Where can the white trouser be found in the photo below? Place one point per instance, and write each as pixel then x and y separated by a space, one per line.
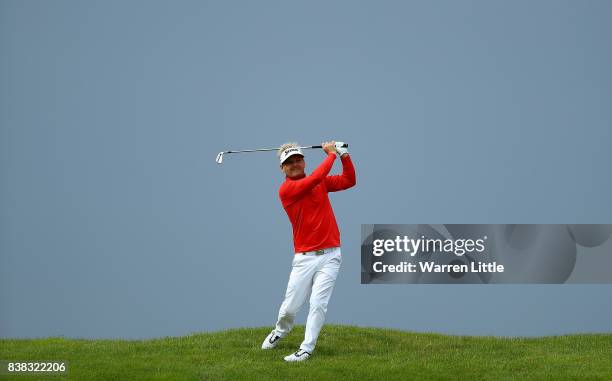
pixel 314 274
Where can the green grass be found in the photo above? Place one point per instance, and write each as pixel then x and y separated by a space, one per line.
pixel 342 353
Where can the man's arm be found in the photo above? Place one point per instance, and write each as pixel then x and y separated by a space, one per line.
pixel 344 181
pixel 291 191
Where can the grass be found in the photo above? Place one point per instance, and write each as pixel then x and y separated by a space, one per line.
pixel 342 353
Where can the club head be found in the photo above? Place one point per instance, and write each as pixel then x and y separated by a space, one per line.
pixel 219 159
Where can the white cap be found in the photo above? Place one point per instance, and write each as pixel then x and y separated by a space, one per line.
pixel 288 152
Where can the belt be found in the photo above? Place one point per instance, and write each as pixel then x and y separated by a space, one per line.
pixel 319 252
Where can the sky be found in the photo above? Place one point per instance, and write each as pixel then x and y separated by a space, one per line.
pixel 116 222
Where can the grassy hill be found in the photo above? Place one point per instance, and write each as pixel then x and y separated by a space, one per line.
pixel 343 353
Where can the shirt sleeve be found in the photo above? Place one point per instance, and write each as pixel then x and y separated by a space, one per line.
pixel 292 191
pixel 345 180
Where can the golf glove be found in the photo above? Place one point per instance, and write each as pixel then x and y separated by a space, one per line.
pixel 341 150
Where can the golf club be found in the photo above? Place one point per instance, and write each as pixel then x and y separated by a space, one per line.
pixel 219 159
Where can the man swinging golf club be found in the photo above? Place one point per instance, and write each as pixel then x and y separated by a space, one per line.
pixel 316 240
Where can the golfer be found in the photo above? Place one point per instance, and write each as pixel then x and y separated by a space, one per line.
pixel 316 240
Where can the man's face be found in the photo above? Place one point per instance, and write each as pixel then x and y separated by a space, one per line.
pixel 294 166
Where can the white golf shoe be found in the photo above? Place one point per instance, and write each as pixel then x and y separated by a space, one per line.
pixel 271 341
pixel 300 355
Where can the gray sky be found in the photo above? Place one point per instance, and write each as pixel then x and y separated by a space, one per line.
pixel 115 220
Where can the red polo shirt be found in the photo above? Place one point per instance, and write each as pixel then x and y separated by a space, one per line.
pixel 307 205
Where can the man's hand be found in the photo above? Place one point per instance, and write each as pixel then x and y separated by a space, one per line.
pixel 341 150
pixel 329 147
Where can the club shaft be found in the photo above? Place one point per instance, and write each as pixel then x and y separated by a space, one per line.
pixel 273 149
